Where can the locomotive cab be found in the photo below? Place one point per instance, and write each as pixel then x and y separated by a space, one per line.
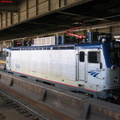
pixel 99 69
pixel 91 68
pixel 111 53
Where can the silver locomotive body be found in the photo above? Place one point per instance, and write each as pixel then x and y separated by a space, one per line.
pixel 88 68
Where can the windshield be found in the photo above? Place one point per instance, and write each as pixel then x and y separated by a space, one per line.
pixel 115 56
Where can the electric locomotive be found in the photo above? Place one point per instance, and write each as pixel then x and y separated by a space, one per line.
pixel 90 68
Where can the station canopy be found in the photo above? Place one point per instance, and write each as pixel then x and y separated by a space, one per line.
pixel 89 12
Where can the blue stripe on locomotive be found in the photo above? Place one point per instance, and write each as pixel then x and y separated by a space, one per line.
pixel 106 49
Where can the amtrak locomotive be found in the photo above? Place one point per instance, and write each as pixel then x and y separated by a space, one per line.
pixel 89 68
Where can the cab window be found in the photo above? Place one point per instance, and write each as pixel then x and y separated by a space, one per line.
pixel 93 57
pixel 82 56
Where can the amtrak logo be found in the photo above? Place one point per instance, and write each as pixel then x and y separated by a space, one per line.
pixel 93 73
pixel 17 66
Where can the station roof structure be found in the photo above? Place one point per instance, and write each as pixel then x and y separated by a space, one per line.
pixel 89 12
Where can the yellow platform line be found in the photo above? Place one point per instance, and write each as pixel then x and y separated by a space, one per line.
pixel 2 61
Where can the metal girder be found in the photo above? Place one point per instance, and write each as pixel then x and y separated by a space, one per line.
pixel 88 12
pixel 9 8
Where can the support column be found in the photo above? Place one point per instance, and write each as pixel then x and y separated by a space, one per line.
pixel 36 7
pixel 6 19
pixel 27 9
pixel 11 18
pixel 49 8
pixel 1 20
pixel 65 2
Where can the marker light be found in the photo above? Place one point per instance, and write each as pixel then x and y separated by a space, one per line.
pixel 113 67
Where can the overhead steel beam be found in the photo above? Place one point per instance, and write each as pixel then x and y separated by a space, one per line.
pixel 68 13
pixel 9 9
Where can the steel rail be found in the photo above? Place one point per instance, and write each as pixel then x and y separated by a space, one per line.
pixel 26 107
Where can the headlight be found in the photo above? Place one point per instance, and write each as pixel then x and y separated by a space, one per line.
pixel 116 79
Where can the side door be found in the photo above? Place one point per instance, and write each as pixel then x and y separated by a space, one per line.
pixel 81 66
pixel 94 65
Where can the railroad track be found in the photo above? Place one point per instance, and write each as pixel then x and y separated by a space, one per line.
pixel 53 103
pixel 23 110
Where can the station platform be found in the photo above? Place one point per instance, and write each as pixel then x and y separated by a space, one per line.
pixel 3 61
